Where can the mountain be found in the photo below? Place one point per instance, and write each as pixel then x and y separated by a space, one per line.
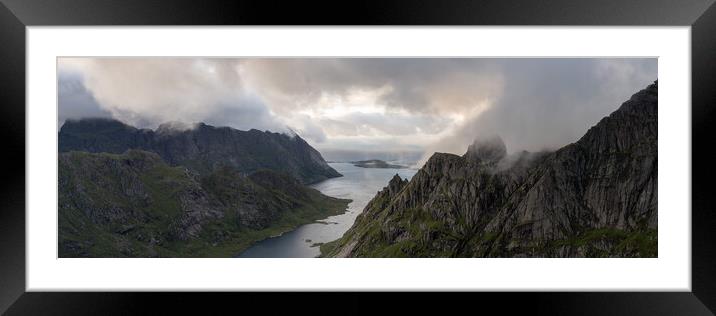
pixel 202 148
pixel 136 205
pixel 596 197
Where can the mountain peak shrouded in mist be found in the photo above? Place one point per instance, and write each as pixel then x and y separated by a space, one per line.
pixel 596 197
pixel 200 147
pixel 490 149
pixel 97 124
pixel 175 127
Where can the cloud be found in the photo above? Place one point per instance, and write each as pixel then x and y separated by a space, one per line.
pixel 548 103
pixel 425 85
pixel 74 99
pixel 383 104
pixel 244 112
pixel 391 123
pixel 159 89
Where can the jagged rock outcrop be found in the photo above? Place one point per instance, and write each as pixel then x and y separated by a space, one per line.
pixel 202 148
pixel 593 198
pixel 136 205
pixel 489 150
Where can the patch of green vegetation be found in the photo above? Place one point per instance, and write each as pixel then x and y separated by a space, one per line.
pixel 412 233
pixel 643 243
pixel 400 249
pixel 608 242
pixel 329 247
pixel 164 183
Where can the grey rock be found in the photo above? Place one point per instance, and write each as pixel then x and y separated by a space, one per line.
pixel 595 197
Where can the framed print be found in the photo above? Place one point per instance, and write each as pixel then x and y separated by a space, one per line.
pixel 466 148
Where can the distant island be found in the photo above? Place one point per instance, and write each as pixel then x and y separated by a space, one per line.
pixel 375 163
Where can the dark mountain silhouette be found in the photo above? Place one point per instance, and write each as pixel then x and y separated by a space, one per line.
pixel 201 148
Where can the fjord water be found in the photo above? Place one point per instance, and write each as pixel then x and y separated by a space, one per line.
pixel 357 184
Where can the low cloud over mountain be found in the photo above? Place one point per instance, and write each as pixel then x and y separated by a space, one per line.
pixel 379 104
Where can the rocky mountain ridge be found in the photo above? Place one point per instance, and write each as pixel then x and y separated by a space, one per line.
pixel 201 148
pixel 596 197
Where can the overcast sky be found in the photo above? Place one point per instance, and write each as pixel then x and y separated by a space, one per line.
pixel 361 104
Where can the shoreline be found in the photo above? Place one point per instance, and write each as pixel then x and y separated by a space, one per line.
pixel 296 227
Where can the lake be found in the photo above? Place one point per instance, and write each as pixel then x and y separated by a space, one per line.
pixel 357 184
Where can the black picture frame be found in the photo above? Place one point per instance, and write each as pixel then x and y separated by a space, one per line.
pixel 15 15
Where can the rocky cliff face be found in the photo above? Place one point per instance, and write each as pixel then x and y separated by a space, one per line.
pixel 136 205
pixel 593 198
pixel 202 148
